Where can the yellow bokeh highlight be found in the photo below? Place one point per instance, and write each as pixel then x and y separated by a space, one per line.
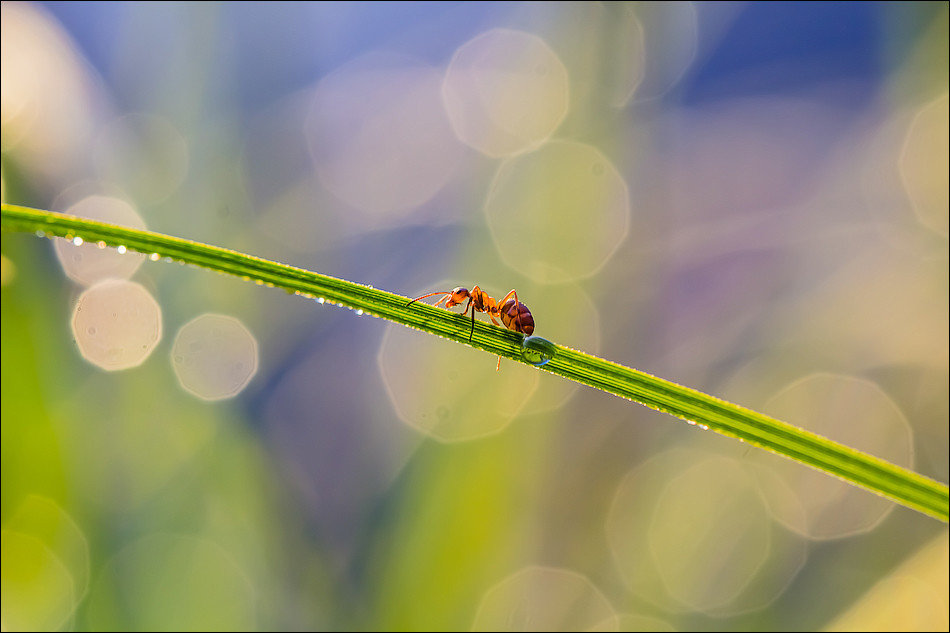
pixel 558 213
pixel 690 533
pixel 925 164
pixel 451 392
pixel 545 599
pixel 808 501
pixel 505 91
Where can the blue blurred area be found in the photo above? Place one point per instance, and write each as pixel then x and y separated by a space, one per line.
pixel 770 47
pixel 787 47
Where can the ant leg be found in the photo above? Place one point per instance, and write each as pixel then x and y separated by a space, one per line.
pixel 472 333
pixel 498 366
pixel 465 311
pixel 513 294
pixel 432 294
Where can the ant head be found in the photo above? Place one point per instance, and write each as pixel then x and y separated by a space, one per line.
pixel 459 295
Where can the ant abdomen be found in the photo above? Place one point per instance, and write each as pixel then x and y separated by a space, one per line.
pixel 517 317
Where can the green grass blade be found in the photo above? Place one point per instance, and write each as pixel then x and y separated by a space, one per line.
pixel 899 484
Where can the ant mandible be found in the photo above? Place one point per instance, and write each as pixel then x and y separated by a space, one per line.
pixel 513 314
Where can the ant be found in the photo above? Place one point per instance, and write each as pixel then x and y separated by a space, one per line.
pixel 513 314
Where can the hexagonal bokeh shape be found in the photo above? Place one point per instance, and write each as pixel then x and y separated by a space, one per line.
pixel 925 164
pixel 116 324
pixel 214 356
pixel 89 263
pixel 811 502
pixel 545 599
pixel 448 391
pixel 558 213
pixel 505 91
pixel 689 531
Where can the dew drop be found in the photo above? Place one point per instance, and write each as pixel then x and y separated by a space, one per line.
pixel 121 249
pixel 77 241
pixel 101 244
pixel 321 300
pixel 359 313
pixel 538 351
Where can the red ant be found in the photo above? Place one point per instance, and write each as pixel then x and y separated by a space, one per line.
pixel 513 314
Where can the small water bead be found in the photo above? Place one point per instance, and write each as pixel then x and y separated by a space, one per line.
pixel 154 257
pixel 77 241
pixel 538 351
pixel 121 249
pixel 101 244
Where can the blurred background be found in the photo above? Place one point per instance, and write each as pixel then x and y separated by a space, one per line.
pixel 748 199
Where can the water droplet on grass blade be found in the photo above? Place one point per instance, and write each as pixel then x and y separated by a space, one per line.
pixel 538 351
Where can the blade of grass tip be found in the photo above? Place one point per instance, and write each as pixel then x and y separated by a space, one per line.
pixel 883 478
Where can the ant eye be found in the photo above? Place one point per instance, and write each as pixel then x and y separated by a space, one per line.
pixel 460 291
